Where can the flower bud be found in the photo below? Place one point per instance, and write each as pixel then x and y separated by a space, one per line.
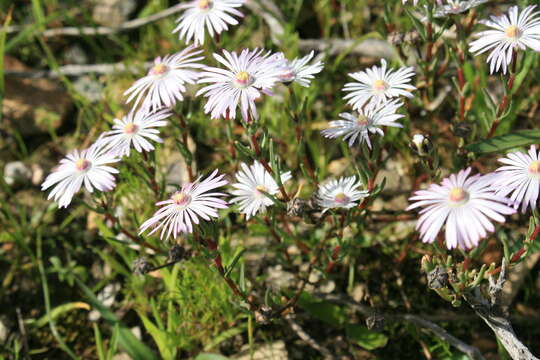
pixel 421 145
pixel 140 266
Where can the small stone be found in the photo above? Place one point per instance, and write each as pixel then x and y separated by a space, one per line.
pixel 16 173
pixel 89 88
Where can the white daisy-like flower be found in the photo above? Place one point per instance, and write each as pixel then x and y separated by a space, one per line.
pixel 467 205
pixel 214 15
pixel 367 120
pixel 253 182
pixel 341 193
pixel 87 167
pixel 246 76
pixel 520 177
pixel 186 206
pixel 452 7
pixel 165 83
pixel 135 130
pixel 512 32
pixel 300 71
pixel 378 84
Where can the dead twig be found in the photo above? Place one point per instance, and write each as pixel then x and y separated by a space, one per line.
pixel 103 30
pixel 490 309
pixel 308 339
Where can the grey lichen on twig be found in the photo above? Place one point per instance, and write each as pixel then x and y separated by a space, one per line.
pixel 490 309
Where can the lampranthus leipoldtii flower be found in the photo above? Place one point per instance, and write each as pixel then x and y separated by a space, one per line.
pixel 246 76
pixel 357 127
pixel 341 193
pixel 185 207
pixel 377 85
pixel 520 177
pixel 166 81
pixel 509 33
pixel 466 204
pixel 88 167
pixel 254 182
pixel 213 16
pixel 136 130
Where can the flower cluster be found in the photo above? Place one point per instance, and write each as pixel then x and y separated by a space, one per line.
pixel 466 205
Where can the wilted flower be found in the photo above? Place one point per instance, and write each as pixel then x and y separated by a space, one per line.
pixel 465 203
pixel 341 193
pixel 186 206
pixel 253 182
pixel 246 76
pixel 135 129
pixel 378 84
pixel 214 15
pixel 300 71
pixel 165 82
pixel 510 33
pixel 367 120
pixel 520 177
pixel 86 167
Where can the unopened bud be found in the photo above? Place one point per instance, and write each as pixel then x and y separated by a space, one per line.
pixel 421 145
pixel 141 266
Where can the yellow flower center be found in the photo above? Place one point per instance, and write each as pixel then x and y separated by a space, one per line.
pixel 458 195
pixel 534 167
pixel 204 4
pixel 341 198
pixel 242 79
pixel 180 198
pixel 362 120
pixel 379 86
pixel 512 31
pixel 82 164
pixel 159 69
pixel 261 188
pixel 130 128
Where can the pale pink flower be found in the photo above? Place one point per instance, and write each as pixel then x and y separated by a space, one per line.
pixel 509 32
pixel 520 177
pixel 183 209
pixel 166 80
pixel 87 167
pixel 136 129
pixel 342 193
pixel 378 84
pixel 213 15
pixel 246 76
pixel 465 203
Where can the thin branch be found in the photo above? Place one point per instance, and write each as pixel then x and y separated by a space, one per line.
pixel 417 320
pixel 78 70
pixel 103 30
pixel 491 311
pixel 308 339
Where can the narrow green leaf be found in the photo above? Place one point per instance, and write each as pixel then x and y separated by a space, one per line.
pixel 506 142
pixel 133 346
pixel 365 338
pixel 211 357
